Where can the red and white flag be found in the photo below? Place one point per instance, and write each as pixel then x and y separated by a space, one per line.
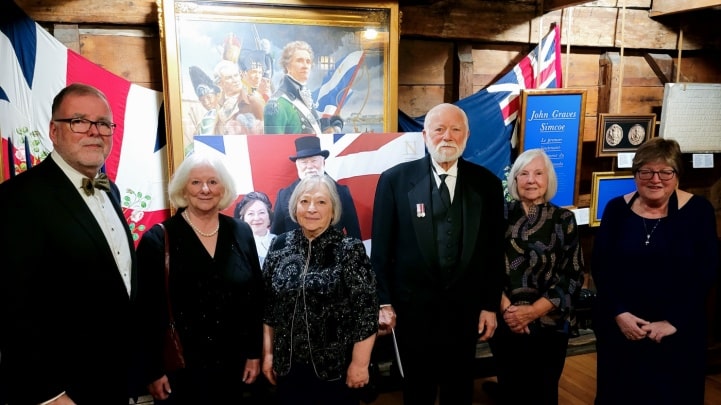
pixel 35 67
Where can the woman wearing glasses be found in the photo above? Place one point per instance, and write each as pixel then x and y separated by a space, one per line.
pixel 654 258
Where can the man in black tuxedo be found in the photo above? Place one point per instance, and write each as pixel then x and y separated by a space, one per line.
pixel 438 237
pixel 67 278
pixel 309 159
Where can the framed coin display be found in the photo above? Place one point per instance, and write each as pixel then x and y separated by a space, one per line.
pixel 623 133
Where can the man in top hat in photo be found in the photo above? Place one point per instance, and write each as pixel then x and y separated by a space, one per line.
pixel 310 160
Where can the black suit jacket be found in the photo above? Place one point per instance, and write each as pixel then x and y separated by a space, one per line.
pixel 64 311
pixel 348 220
pixel 404 252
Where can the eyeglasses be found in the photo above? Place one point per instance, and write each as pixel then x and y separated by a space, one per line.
pixel 646 174
pixel 82 126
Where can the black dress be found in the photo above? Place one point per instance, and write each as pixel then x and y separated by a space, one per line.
pixel 217 304
pixel 666 279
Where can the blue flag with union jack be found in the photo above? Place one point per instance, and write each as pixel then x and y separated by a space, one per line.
pixel 492 112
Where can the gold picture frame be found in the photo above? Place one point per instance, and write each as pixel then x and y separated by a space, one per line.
pixel 605 186
pixel 623 133
pixel 201 33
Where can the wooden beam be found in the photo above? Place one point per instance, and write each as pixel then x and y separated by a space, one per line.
pixel 469 20
pixel 664 7
pixel 662 65
pixel 68 35
pixel 551 5
pixel 138 12
pixel 465 71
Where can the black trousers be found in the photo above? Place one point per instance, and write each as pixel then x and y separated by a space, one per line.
pixel 301 386
pixel 529 367
pixel 440 368
pixel 207 386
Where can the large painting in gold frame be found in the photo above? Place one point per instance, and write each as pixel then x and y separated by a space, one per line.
pixel 195 33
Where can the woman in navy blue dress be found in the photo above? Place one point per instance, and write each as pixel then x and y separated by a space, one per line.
pixel 654 260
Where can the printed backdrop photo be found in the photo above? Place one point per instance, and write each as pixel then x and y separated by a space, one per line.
pixel 261 163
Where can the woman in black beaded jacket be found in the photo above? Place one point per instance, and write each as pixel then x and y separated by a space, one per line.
pixel 321 311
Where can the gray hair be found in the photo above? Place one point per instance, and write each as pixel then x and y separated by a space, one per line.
pixel 224 66
pixel 441 108
pixel 522 161
pixel 176 186
pixel 77 89
pixel 310 183
pixel 289 50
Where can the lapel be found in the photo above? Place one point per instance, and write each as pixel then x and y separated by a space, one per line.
pixel 419 193
pixel 423 226
pixel 114 195
pixel 472 207
pixel 70 202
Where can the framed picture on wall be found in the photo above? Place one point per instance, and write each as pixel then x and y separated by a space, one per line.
pixel 605 186
pixel 623 133
pixel 214 48
pixel 553 119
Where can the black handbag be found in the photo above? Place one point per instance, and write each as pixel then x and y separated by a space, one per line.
pixel 173 358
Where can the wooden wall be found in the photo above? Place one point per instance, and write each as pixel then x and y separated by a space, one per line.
pixel 604 44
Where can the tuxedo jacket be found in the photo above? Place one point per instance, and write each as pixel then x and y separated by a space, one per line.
pixel 348 224
pixel 404 250
pixel 65 314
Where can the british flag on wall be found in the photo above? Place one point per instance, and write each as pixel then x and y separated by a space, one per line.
pixel 260 163
pixel 492 111
pixel 35 66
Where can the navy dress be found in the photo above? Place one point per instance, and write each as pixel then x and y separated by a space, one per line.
pixel 666 279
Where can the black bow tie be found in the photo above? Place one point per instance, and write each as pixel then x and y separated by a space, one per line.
pixel 101 182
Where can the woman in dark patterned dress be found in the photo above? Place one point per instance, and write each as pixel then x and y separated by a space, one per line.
pixel 321 313
pixel 655 258
pixel 544 275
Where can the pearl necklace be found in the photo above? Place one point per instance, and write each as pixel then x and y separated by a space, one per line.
pixel 648 234
pixel 198 231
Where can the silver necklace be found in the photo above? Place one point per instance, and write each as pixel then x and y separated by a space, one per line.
pixel 198 231
pixel 645 228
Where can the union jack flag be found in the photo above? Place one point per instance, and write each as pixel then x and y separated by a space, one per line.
pixel 492 111
pixel 260 163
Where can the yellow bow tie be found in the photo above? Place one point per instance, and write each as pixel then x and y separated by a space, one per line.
pixel 100 182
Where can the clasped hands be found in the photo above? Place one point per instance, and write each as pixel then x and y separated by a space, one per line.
pixel 635 328
pixel 518 317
